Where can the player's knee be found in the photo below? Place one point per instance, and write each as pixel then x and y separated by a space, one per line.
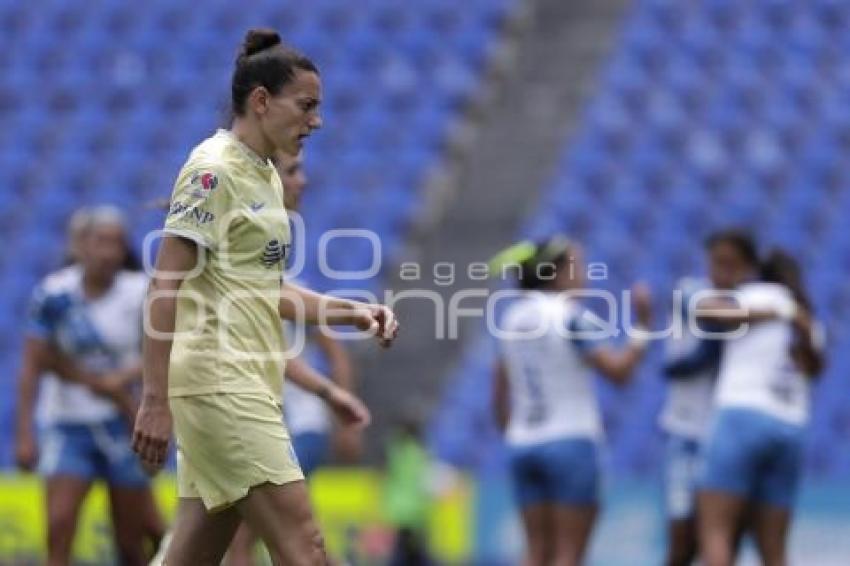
pixel 60 525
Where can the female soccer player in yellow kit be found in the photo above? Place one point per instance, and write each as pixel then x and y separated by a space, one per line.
pixel 213 343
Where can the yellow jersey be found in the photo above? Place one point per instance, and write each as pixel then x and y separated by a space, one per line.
pixel 228 336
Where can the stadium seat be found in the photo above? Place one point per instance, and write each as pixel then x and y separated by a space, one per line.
pixel 709 115
pixel 132 87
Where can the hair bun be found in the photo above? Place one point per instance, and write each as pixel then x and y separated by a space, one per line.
pixel 257 40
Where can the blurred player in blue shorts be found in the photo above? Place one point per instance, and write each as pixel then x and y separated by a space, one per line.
pixel 84 334
pixel 544 398
pixel 691 364
pixel 754 452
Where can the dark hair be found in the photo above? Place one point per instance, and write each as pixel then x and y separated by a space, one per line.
pixel 780 267
pixel 741 240
pixel 538 271
pixel 265 61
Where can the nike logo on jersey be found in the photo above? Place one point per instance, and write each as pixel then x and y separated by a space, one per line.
pixel 257 206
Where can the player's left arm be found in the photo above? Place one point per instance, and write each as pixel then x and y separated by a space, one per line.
pixel 303 305
pixel 345 405
pixel 807 349
pixel 729 314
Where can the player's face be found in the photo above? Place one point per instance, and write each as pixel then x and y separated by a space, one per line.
pixel 293 113
pixel 291 171
pixel 727 268
pixel 104 250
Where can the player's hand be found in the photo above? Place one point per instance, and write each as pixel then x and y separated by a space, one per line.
pixel 26 452
pixel 802 319
pixel 347 407
pixel 152 433
pixel 111 385
pixel 642 304
pixel 378 320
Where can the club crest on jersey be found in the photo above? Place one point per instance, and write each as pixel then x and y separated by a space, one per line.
pixel 205 182
pixel 273 254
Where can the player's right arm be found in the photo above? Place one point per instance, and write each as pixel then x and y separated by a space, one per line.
pixel 340 371
pixel 177 257
pixel 618 365
pixel 350 409
pixel 26 452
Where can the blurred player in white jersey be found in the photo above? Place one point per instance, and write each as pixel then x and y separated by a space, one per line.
pixel 545 401
pixel 754 452
pixel 84 337
pixel 691 364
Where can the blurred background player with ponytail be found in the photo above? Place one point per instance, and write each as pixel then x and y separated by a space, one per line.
pixel 754 451
pixel 83 348
pixel 545 402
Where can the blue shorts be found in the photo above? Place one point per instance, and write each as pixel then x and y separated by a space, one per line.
pixel 561 471
pixel 90 452
pixel 754 456
pixel 311 449
pixel 682 470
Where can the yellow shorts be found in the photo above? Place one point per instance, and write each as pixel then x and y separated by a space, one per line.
pixel 228 443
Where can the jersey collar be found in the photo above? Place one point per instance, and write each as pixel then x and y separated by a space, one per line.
pixel 252 155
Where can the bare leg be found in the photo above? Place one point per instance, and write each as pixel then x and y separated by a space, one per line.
pixel 536 521
pixel 128 506
pixel 200 538
pixel 682 542
pixel 241 551
pixel 153 526
pixel 65 496
pixel 771 525
pixel 573 526
pixel 719 519
pixel 281 515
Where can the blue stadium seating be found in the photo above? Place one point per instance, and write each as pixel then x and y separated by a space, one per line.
pixel 101 100
pixel 709 114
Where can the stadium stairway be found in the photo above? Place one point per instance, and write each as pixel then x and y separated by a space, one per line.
pixel 488 190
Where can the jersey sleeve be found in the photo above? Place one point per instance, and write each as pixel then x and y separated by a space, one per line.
pixel 200 201
pixel 587 331
pixel 44 312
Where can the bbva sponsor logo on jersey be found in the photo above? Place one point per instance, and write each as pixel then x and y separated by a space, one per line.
pixel 274 253
pixel 190 212
pixel 205 181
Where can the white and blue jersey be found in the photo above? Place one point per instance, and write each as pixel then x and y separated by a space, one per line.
pixel 84 434
pixel 757 371
pixel 762 404
pixel 690 365
pixel 555 425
